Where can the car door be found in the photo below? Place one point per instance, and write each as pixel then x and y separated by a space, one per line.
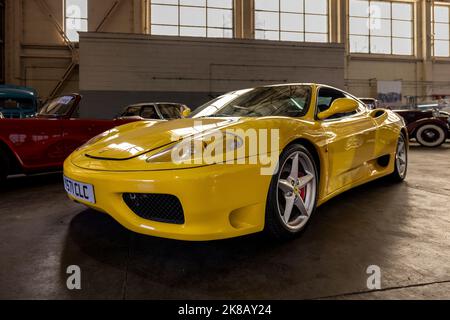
pixel 350 141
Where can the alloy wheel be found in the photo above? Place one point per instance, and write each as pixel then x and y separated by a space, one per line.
pixel 296 194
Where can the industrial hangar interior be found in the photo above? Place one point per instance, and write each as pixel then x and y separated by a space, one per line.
pixel 224 149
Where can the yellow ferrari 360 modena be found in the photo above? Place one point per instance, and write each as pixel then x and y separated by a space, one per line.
pixel 251 160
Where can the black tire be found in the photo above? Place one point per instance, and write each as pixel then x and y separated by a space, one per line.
pixel 400 173
pixel 275 227
pixel 431 135
pixel 4 166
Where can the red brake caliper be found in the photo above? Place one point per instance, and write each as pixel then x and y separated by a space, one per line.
pixel 303 192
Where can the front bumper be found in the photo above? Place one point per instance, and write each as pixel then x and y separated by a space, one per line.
pixel 219 201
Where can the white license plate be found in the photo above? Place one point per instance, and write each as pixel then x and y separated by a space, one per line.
pixel 79 190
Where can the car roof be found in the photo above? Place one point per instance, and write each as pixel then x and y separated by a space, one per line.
pixel 17 92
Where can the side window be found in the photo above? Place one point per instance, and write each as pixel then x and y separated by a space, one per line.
pixel 325 99
pixel 131 112
pixel 149 113
pixel 76 112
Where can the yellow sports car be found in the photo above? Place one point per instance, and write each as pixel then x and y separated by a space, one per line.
pixel 250 160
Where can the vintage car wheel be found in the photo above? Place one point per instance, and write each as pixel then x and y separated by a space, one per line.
pixel 401 160
pixel 293 193
pixel 430 135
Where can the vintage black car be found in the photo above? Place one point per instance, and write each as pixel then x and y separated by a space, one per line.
pixel 431 128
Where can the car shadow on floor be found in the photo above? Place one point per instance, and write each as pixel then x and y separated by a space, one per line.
pixel 330 257
pixel 19 182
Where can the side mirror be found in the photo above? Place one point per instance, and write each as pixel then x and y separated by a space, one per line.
pixel 186 113
pixel 341 105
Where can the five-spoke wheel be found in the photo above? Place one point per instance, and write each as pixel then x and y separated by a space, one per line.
pixel 293 193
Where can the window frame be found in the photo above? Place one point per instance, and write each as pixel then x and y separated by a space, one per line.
pixel 179 26
pixel 391 55
pixel 433 39
pixel 303 33
pixel 2 41
pixel 65 18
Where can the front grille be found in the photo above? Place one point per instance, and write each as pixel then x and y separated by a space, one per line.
pixel 156 207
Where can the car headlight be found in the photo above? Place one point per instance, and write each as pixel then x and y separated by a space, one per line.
pixel 208 149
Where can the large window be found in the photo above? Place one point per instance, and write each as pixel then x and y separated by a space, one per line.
pixel 2 41
pixel 76 18
pixel 381 27
pixel 197 18
pixel 441 30
pixel 292 20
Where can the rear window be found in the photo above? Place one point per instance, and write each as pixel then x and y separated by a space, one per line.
pixel 8 103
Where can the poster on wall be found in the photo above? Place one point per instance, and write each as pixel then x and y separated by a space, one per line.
pixel 389 92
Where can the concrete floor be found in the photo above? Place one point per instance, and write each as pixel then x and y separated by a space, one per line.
pixel 404 229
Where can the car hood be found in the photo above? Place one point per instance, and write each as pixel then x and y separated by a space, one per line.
pixel 132 140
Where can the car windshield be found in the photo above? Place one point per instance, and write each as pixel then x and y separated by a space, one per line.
pixel 169 111
pixel 58 107
pixel 288 101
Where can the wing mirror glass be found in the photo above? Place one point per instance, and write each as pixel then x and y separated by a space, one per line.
pixel 341 105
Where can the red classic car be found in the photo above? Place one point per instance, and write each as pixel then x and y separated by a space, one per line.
pixel 430 127
pixel 42 143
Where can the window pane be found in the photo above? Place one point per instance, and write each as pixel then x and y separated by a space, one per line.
pixel 441 31
pixel 164 14
pixel 316 37
pixel 192 32
pixel 270 5
pixel 441 14
pixel 380 27
pixel 402 29
pixel 267 20
pixel 315 23
pixel 359 8
pixel 267 35
pixel 316 6
pixel 441 48
pixel 359 44
pixel 380 45
pixel 291 22
pixel 379 9
pixel 402 46
pixel 73 26
pixel 220 18
pixel 165 1
pixel 197 3
pixel 165 30
pixel 295 6
pixel 401 11
pixel 292 36
pixel 220 33
pixel 76 9
pixel 359 26
pixel 192 16
pixel 228 4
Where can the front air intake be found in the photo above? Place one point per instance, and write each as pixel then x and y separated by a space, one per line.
pixel 156 207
